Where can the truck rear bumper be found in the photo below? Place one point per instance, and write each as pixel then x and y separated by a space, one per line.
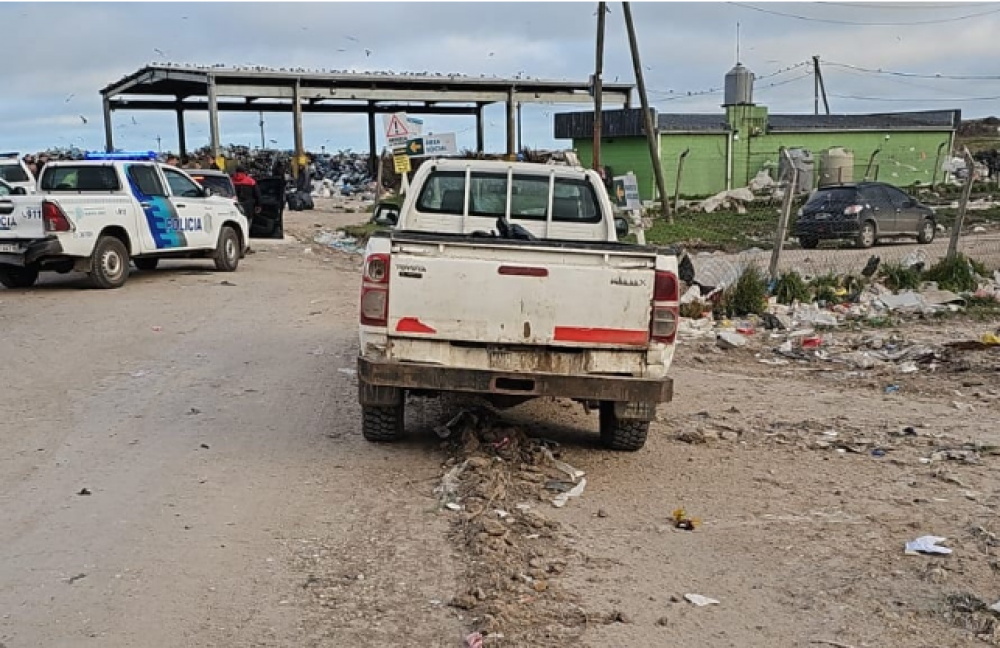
pixel 380 380
pixel 31 251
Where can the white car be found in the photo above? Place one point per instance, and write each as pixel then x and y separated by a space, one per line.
pixel 16 173
pixel 96 215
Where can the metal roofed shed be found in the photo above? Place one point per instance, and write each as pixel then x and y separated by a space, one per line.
pixel 217 89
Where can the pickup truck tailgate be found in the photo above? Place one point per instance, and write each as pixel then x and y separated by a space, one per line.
pixel 517 293
pixel 20 219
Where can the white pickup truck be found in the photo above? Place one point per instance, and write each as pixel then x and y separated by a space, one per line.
pixel 96 215
pixel 548 305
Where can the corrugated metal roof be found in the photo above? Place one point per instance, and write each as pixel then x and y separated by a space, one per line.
pixel 614 123
pixel 926 120
pixel 628 123
pixel 692 122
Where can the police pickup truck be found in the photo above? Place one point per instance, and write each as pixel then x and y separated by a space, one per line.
pixel 97 214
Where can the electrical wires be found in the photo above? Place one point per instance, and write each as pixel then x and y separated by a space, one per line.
pixel 832 21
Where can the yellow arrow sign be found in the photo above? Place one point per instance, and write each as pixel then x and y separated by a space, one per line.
pixel 415 147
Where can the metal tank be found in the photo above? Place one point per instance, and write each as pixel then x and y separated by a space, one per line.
pixel 836 166
pixel 739 87
pixel 802 159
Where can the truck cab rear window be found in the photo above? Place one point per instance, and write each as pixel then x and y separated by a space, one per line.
pixel 80 178
pixel 13 173
pixel 573 201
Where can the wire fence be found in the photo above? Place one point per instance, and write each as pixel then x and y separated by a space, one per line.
pixel 843 223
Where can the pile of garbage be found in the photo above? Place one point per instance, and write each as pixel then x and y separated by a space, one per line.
pixel 339 240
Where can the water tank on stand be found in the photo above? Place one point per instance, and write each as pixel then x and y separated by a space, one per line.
pixel 836 166
pixel 739 87
pixel 802 159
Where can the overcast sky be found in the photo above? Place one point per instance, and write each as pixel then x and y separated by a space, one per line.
pixel 58 56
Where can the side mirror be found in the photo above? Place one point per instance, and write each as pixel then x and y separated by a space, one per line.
pixel 207 192
pixel 386 214
pixel 621 227
pixel 19 191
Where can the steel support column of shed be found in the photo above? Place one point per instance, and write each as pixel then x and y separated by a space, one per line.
pixel 181 135
pixel 303 91
pixel 372 144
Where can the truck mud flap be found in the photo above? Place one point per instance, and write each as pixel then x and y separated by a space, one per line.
pixel 477 381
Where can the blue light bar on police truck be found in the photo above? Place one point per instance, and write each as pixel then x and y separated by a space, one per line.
pixel 134 156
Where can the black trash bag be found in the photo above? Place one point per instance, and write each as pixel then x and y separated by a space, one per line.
pixel 307 201
pixel 294 201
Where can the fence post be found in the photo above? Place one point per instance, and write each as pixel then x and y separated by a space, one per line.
pixel 786 213
pixel 680 175
pixel 956 232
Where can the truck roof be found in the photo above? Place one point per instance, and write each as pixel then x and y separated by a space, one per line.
pixel 525 168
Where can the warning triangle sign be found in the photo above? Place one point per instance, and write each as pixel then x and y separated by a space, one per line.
pixel 396 128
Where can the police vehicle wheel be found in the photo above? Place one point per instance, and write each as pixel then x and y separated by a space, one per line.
pixel 227 253
pixel 146 264
pixel 109 264
pixel 18 277
pixel 620 434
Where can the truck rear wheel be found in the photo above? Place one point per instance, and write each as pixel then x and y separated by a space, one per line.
pixel 109 267
pixel 15 277
pixel 380 423
pixel 621 434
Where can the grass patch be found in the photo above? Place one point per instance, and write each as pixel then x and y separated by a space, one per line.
pixel 361 232
pixel 956 275
pixel 896 276
pixel 791 287
pixel 747 297
pixel 728 231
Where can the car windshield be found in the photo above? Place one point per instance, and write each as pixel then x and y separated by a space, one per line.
pixel 220 185
pixel 837 196
pixel 13 173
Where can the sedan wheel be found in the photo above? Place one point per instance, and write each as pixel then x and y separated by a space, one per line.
pixel 866 238
pixel 927 232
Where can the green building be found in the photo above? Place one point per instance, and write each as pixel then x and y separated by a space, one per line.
pixel 727 150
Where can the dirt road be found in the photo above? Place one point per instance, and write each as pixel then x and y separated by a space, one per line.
pixel 181 465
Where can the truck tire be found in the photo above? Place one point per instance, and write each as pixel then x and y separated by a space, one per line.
pixel 109 266
pixel 381 423
pixel 146 265
pixel 227 252
pixel 15 277
pixel 620 434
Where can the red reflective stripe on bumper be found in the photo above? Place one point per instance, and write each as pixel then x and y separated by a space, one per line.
pixel 413 325
pixel 601 335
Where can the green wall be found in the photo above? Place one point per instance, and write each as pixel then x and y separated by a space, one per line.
pixel 906 158
pixel 622 154
pixel 704 167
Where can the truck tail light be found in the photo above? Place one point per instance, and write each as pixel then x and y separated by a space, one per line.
pixel 663 326
pixel 54 217
pixel 375 291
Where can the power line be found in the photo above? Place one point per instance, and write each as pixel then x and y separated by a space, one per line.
pixel 914 75
pixel 672 96
pixel 907 6
pixel 832 21
pixel 891 79
pixel 911 100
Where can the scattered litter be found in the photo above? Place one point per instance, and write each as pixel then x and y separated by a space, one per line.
pixel 226 283
pixel 448 487
pixel 84 491
pixel 194 411
pixel 318 351
pixel 73 579
pixel 926 545
pixel 727 340
pixel 699 600
pixel 990 339
pixel 682 521
pixel 452 506
pixel 473 640
pixel 892 389
pixel 348 372
pixel 995 607
pixel 878 453
pixel 572 472
pixel 139 374
pixel 561 499
pixel 205 446
pixel 157 329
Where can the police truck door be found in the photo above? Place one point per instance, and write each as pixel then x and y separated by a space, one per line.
pixel 194 213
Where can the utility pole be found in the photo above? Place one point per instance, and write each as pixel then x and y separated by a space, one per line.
pixel 598 85
pixel 647 117
pixel 819 88
pixel 262 141
pixel 159 145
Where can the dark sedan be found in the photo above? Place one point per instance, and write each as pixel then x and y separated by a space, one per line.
pixel 863 213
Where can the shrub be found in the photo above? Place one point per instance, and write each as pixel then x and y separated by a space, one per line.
pixel 791 287
pixel 956 275
pixel 747 297
pixel 896 276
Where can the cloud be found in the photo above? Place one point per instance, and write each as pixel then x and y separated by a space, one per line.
pixel 685 46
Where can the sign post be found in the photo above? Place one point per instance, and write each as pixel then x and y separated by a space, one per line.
pixel 625 195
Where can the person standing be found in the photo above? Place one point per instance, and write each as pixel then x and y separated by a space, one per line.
pixel 247 192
